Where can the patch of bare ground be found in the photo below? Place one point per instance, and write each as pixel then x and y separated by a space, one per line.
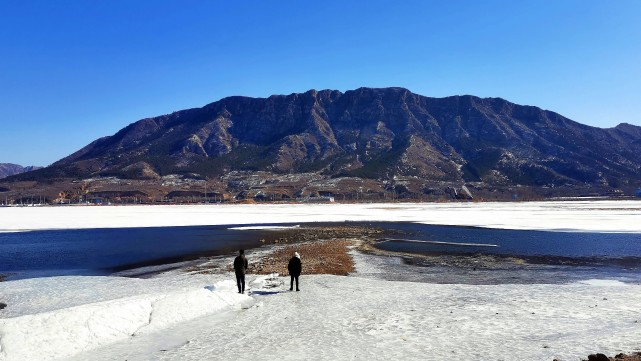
pixel 316 233
pixel 620 357
pixel 320 257
pixel 323 249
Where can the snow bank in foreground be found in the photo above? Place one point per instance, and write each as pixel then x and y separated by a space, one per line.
pixel 63 332
pixel 332 318
pixel 597 216
pixel 352 318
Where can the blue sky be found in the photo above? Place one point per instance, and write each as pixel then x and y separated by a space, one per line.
pixel 74 71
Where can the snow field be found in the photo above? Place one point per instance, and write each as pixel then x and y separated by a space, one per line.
pixel 595 216
pixel 351 318
pixel 97 318
pixel 332 318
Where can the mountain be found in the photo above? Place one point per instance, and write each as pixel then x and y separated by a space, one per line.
pixel 9 169
pixel 381 134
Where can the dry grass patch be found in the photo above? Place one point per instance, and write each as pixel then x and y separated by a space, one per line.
pixel 320 257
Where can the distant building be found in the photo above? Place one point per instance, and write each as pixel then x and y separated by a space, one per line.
pixel 323 199
pixel 278 195
pixel 116 196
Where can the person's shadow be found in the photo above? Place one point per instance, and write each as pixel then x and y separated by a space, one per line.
pixel 264 293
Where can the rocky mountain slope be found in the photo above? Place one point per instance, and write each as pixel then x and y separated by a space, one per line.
pixel 9 169
pixel 378 134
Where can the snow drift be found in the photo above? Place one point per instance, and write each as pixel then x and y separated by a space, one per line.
pixel 67 331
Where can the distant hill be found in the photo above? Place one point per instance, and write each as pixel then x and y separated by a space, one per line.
pixel 9 169
pixel 378 134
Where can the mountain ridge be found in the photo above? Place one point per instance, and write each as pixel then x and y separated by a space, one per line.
pixel 370 133
pixel 9 169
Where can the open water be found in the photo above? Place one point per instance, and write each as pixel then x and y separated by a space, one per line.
pixel 534 246
pixel 452 254
pixel 104 251
pixel 452 249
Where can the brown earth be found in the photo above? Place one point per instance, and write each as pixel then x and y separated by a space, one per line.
pixel 323 250
pixel 321 257
pixel 321 233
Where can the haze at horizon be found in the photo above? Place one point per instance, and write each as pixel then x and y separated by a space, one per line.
pixel 75 71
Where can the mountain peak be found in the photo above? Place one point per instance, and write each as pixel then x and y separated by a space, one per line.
pixel 9 169
pixel 370 133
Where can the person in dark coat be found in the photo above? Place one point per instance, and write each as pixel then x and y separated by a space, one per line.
pixel 240 266
pixel 295 267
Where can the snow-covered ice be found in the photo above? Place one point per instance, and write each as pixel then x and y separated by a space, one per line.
pixel 57 317
pixel 332 318
pixel 350 318
pixel 359 317
pixel 597 216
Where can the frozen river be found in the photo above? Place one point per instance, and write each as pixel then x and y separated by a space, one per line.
pixel 369 315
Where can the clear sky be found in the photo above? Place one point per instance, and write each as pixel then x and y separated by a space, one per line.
pixel 74 71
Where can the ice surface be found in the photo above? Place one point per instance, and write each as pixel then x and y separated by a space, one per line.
pixel 610 283
pixel 346 318
pixel 360 317
pixel 57 317
pixel 332 318
pixel 596 216
pixel 351 318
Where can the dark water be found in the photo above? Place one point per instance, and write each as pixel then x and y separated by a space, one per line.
pixel 104 251
pixel 491 256
pixel 537 246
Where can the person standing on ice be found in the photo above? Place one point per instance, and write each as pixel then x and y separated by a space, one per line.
pixel 240 266
pixel 295 267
